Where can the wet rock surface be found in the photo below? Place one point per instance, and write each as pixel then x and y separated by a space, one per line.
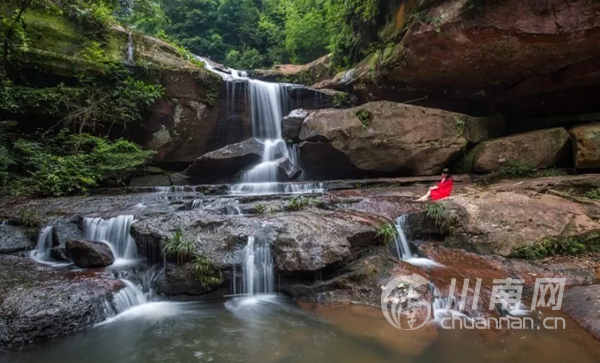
pixel 38 302
pixel 86 253
pixel 12 239
pixel 582 303
pixel 306 240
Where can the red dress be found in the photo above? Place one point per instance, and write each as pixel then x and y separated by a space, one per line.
pixel 444 189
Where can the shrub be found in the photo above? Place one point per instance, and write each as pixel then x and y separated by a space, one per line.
pixel 179 247
pixel 517 169
pixel 68 164
pixel 387 233
pixel 444 219
pixel 559 246
pixel 297 203
pixel 205 271
pixel 593 194
pixel 365 118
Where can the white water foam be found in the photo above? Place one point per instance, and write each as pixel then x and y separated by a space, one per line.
pixel 115 232
pixel 403 246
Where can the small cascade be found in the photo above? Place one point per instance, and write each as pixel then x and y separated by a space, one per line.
pixel 257 268
pixel 44 244
pixel 4 222
pixel 445 306
pixel 114 231
pixel 233 210
pixel 402 246
pixel 130 48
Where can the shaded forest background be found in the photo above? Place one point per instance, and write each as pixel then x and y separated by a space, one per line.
pixel 247 34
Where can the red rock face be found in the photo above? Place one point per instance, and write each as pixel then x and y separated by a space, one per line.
pixel 518 56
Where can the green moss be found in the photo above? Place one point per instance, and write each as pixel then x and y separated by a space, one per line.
pixel 297 203
pixel 559 246
pixel 593 194
pixel 365 117
pixel 343 100
pixel 47 31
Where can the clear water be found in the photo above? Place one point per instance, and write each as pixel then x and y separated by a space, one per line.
pixel 272 328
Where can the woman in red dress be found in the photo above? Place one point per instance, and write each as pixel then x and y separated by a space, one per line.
pixel 442 190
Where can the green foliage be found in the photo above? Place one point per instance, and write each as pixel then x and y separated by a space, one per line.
pixel 365 118
pixel 460 127
pixel 593 194
pixel 445 220
pixel 387 233
pixel 93 102
pixel 178 246
pixel 28 219
pixel 66 164
pixel 343 100
pixel 559 246
pixel 205 271
pixel 517 169
pixel 94 52
pixel 259 209
pixel 297 203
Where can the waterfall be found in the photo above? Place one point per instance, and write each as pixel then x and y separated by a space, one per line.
pixel 269 102
pixel 257 268
pixel 402 246
pixel 130 48
pixel 44 244
pixel 114 231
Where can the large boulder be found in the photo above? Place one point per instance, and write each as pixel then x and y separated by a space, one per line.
pixel 226 162
pixel 12 239
pixel 287 170
pixel 85 253
pixel 38 302
pixel 387 137
pixel 586 146
pixel 501 222
pixel 541 149
pixel 302 241
pixel 290 124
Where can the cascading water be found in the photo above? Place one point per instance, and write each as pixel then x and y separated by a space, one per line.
pixel 269 102
pixel 114 231
pixel 403 247
pixel 41 253
pixel 257 268
pixel 130 48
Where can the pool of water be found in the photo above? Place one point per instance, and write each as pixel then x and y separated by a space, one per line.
pixel 273 328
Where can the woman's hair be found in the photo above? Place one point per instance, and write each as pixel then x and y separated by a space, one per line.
pixel 447 172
